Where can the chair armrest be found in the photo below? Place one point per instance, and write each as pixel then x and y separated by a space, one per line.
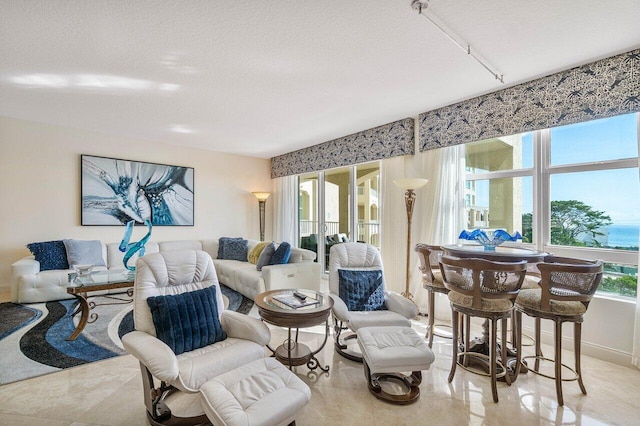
pixel 25 266
pixel 153 353
pixel 397 303
pixel 340 309
pixel 245 327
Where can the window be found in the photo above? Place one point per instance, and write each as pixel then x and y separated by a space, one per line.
pixel 499 186
pixel 571 190
pixel 339 205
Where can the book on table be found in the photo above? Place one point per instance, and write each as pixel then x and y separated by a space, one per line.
pixel 294 302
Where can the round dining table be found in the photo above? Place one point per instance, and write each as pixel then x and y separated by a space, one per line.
pixel 508 253
pixel 498 254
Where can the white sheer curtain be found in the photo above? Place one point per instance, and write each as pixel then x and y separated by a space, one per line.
pixel 285 208
pixel 438 214
pixel 442 209
pixel 393 216
pixel 635 356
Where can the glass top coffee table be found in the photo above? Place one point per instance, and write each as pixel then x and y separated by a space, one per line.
pixel 280 308
pixel 81 286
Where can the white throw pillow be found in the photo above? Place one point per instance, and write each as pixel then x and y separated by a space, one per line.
pixel 84 252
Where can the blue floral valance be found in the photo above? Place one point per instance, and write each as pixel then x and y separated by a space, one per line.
pixel 385 141
pixel 600 89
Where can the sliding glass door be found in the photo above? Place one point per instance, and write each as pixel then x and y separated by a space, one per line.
pixel 337 206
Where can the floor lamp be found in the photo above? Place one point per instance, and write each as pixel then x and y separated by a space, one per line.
pixel 262 200
pixel 409 185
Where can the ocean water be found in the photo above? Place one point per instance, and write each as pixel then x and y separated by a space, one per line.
pixel 622 235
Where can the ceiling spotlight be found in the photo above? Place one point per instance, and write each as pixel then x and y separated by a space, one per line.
pixel 422 6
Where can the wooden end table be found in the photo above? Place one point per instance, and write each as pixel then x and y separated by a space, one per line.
pixel 273 311
pixel 81 286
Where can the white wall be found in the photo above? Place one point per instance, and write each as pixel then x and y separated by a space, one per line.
pixel 40 188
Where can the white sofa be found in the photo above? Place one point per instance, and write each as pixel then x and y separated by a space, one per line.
pixel 30 285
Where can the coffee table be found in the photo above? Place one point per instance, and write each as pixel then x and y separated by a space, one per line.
pixel 81 286
pixel 275 312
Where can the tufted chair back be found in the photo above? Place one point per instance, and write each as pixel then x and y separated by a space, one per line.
pixel 352 256
pixel 170 273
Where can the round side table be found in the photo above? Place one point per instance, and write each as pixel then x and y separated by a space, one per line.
pixel 282 309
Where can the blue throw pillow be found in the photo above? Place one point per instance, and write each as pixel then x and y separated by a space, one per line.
pixel 266 255
pixel 221 245
pixel 50 254
pixel 361 290
pixel 187 321
pixel 235 250
pixel 282 254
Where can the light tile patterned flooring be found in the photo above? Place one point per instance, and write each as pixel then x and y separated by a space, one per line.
pixel 110 393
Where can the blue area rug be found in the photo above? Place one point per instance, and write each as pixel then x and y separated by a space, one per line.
pixel 30 350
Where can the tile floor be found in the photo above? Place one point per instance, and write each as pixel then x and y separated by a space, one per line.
pixel 110 393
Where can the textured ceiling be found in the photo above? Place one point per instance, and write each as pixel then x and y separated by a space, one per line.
pixel 265 78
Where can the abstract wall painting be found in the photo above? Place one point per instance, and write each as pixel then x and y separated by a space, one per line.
pixel 116 191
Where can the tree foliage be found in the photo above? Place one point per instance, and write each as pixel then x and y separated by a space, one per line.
pixel 571 218
pixel 527 228
pixel 625 285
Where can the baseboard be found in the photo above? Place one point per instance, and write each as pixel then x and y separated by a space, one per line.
pixel 603 353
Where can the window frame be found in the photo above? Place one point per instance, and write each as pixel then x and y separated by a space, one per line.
pixel 542 171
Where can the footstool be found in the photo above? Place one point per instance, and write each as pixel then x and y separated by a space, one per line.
pixel 388 351
pixel 263 392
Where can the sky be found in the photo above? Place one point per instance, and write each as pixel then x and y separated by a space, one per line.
pixel 616 192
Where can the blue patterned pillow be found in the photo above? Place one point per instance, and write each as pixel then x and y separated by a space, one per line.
pixel 266 255
pixel 50 254
pixel 187 321
pixel 221 244
pixel 235 250
pixel 361 290
pixel 282 254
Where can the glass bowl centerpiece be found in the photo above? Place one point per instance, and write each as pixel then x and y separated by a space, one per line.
pixel 489 239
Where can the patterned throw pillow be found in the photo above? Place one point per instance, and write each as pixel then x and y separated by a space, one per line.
pixel 265 256
pixel 282 254
pixel 80 252
pixel 221 243
pixel 235 250
pixel 187 321
pixel 361 290
pixel 50 254
pixel 254 254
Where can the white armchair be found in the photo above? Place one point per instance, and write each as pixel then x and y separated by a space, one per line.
pixel 359 256
pixel 163 372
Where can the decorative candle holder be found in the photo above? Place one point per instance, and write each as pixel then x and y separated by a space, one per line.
pixel 489 239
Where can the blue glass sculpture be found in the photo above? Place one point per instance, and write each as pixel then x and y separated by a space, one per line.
pixel 491 241
pixel 130 249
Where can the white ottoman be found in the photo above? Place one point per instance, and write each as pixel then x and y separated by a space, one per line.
pixel 387 351
pixel 263 392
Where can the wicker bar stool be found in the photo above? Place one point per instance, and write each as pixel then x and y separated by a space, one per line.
pixel 429 256
pixel 566 288
pixel 485 289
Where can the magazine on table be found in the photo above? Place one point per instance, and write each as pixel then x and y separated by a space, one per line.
pixel 293 302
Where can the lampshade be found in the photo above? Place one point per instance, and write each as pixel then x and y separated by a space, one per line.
pixel 410 183
pixel 261 196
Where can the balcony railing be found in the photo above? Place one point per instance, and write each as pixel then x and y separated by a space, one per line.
pixel 368 232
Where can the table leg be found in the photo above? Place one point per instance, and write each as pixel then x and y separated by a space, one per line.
pixel 289 345
pixel 313 361
pixel 480 345
pixel 84 315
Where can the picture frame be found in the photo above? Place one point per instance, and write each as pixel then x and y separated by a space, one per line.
pixel 115 191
